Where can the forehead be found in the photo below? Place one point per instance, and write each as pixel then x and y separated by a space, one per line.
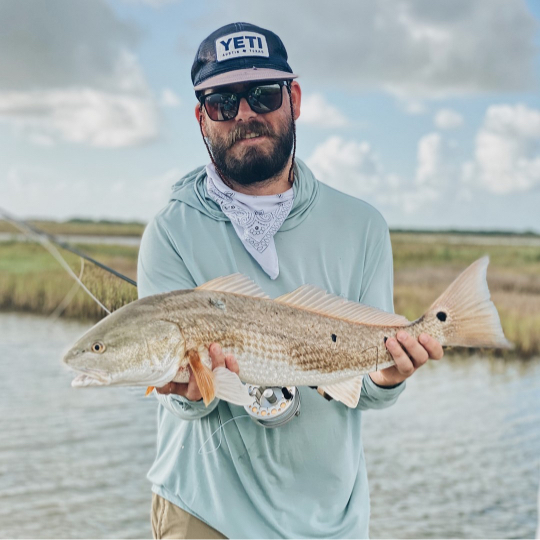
pixel 238 87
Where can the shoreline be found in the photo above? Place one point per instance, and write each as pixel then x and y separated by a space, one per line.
pixel 31 281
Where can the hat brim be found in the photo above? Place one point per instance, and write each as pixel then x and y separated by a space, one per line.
pixel 245 75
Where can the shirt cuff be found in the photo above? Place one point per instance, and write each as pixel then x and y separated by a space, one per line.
pixel 188 405
pixel 382 393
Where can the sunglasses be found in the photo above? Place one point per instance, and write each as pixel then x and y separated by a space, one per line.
pixel 223 106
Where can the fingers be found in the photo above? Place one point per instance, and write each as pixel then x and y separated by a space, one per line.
pixel 173 388
pixel 418 354
pixel 220 360
pixel 216 355
pixel 232 364
pixel 404 364
pixel 188 390
pixel 432 346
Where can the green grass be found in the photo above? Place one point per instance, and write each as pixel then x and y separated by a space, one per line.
pixel 81 227
pixel 31 280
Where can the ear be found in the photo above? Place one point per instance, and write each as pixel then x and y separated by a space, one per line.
pixel 296 96
pixel 198 113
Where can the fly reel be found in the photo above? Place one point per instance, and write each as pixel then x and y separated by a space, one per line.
pixel 273 406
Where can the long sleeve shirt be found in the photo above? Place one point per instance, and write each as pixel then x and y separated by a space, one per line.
pixel 307 478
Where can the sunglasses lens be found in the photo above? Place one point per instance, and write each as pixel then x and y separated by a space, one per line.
pixel 223 106
pixel 263 99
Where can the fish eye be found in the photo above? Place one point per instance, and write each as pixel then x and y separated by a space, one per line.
pixel 98 347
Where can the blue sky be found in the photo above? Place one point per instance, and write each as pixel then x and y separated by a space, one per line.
pixel 428 110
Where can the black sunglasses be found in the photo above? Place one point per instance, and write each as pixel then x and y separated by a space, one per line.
pixel 263 98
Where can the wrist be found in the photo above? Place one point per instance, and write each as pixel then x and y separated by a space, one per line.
pixel 378 379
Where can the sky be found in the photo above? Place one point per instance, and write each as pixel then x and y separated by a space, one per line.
pixel 428 110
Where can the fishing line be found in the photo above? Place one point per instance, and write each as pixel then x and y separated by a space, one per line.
pixel 69 296
pixel 47 244
pixel 20 223
pixel 221 426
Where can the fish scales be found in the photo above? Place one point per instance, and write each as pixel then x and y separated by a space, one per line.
pixel 262 333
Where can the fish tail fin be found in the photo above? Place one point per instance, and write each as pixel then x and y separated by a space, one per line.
pixel 467 316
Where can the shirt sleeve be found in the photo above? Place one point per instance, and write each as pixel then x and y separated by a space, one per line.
pixel 184 408
pixel 161 269
pixel 378 291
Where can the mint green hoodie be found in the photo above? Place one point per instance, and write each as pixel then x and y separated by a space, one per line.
pixel 307 478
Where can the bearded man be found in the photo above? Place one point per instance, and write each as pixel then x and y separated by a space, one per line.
pixel 257 210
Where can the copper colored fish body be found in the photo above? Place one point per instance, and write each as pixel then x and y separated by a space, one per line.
pixel 306 337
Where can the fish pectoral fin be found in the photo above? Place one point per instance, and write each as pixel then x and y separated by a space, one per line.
pixel 229 387
pixel 149 390
pixel 348 392
pixel 203 376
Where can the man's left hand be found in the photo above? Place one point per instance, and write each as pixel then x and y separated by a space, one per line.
pixel 409 354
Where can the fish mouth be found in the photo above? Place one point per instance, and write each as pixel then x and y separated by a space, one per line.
pixel 91 377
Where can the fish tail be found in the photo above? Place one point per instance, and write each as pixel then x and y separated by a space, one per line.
pixel 467 316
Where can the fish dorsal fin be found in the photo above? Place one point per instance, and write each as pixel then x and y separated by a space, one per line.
pixel 348 392
pixel 312 298
pixel 236 284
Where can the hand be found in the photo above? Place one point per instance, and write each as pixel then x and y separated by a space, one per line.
pixel 190 390
pixel 409 354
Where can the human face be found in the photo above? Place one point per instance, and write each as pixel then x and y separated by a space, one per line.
pixel 251 147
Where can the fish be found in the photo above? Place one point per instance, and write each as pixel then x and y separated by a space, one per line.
pixel 307 337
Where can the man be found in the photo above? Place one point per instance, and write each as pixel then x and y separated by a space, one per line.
pixel 257 210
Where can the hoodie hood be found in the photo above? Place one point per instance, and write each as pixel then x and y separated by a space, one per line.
pixel 191 190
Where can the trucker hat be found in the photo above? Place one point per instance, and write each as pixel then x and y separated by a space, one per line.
pixel 240 52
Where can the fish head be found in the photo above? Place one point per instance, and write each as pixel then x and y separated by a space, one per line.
pixel 134 346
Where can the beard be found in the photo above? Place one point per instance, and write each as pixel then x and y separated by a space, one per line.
pixel 254 165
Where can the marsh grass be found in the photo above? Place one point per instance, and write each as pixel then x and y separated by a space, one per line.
pixel 31 280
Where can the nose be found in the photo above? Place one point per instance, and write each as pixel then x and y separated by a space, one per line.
pixel 244 111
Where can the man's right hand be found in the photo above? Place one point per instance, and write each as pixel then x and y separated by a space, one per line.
pixel 190 390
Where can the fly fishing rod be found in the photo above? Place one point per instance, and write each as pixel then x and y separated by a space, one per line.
pixel 25 227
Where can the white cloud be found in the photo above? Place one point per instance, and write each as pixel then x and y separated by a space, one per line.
pixel 42 192
pixel 429 160
pixel 170 98
pixel 350 166
pixel 507 151
pixel 354 168
pixel 411 48
pixel 317 111
pixel 69 74
pixel 448 119
pixel 83 116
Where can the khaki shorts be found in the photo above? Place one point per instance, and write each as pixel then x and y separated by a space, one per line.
pixel 170 521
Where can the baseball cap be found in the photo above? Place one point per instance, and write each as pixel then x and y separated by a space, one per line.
pixel 240 52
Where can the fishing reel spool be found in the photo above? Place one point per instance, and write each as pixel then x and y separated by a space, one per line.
pixel 273 406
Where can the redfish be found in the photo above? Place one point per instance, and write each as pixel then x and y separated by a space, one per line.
pixel 306 337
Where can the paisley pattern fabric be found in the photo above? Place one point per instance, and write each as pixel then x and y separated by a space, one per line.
pixel 256 219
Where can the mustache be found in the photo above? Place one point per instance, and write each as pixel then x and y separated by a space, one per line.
pixel 241 130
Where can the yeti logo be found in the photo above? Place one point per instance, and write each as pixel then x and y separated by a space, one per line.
pixel 241 44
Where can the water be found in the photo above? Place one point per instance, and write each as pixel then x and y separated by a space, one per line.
pixel 457 456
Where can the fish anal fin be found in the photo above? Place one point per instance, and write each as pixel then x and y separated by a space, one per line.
pixel 348 392
pixel 229 387
pixel 203 376
pixel 317 300
pixel 236 284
